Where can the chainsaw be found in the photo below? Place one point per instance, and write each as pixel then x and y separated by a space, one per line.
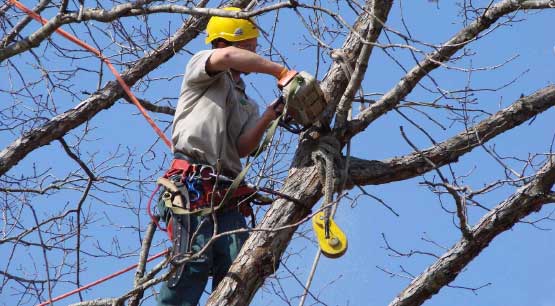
pixel 304 102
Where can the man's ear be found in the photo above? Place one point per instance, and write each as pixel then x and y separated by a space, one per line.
pixel 221 44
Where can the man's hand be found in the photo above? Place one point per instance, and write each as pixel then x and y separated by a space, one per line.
pixel 274 109
pixel 249 140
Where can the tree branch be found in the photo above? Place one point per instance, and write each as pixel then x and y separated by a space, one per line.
pixel 504 216
pixel 378 8
pixel 103 98
pixel 141 268
pixel 393 97
pixel 22 23
pixel 128 9
pixel 460 202
pixel 336 80
pixel 366 172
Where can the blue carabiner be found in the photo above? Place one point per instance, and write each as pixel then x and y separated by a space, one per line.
pixel 190 182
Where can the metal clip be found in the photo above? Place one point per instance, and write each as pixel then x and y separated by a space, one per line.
pixel 190 182
pixel 205 172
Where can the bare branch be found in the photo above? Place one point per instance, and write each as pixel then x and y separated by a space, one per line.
pixel 375 172
pixel 337 79
pixel 504 216
pixel 22 23
pixel 102 99
pixel 453 190
pixel 355 79
pixel 424 67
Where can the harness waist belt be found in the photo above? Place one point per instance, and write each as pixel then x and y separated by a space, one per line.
pixel 197 181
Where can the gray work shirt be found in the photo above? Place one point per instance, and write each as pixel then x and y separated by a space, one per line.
pixel 212 112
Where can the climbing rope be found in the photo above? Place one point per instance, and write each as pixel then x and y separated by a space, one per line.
pixel 323 157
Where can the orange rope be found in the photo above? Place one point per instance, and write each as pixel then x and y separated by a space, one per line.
pixel 63 296
pixel 96 52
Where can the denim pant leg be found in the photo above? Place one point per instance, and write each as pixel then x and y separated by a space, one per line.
pixel 227 248
pixel 193 280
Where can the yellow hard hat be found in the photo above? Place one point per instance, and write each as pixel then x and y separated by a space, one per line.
pixel 230 29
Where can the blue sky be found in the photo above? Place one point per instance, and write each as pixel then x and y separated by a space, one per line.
pixel 517 263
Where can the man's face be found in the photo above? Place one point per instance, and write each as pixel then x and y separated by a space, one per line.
pixel 247 44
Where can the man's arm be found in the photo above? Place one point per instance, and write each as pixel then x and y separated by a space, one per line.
pixel 249 140
pixel 242 60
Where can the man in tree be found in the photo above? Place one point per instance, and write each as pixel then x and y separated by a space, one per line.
pixel 215 125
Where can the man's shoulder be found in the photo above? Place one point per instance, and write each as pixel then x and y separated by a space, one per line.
pixel 195 72
pixel 198 60
pixel 200 55
pixel 201 52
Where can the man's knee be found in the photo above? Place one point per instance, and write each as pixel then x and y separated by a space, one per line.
pixel 189 287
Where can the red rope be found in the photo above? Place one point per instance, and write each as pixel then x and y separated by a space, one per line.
pixel 149 209
pixel 127 90
pixel 100 280
pixel 96 52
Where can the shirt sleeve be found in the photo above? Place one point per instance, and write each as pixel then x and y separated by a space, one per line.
pixel 195 74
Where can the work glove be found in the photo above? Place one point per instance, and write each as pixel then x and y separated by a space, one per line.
pixel 285 76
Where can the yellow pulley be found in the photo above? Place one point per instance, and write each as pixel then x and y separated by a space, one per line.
pixel 333 246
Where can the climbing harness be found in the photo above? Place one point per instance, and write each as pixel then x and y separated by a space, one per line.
pixel 194 189
pixel 197 190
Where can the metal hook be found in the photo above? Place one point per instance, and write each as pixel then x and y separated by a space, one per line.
pixel 192 189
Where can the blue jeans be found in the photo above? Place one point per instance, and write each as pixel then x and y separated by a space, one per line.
pixel 217 258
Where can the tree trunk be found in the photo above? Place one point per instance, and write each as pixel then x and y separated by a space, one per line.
pixel 261 254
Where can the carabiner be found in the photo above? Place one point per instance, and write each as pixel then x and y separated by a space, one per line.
pixel 190 182
pixel 205 172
